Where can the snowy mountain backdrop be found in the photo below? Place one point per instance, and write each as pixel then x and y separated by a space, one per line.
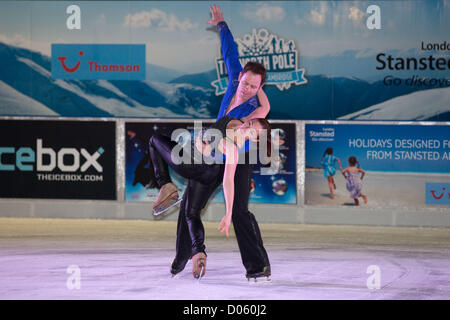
pixel 26 88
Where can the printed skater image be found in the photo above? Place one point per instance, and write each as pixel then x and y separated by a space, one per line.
pixel 353 175
pixel 239 102
pixel 328 163
pixel 143 173
pixel 205 172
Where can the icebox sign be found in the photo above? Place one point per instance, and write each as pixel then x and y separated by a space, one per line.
pixel 58 159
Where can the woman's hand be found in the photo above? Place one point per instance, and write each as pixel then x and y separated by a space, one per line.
pixel 216 15
pixel 225 224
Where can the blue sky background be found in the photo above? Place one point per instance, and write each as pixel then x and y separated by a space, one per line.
pixel 176 34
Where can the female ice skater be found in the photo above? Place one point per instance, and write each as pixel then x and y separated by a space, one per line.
pixel 206 174
pixel 329 168
pixel 354 180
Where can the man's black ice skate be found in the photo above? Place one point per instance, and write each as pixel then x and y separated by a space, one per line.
pixel 262 276
pixel 177 266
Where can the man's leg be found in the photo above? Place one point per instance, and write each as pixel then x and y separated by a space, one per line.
pixel 253 254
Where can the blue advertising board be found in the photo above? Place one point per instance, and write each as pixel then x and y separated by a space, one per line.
pixel 277 186
pixel 394 148
pixel 398 165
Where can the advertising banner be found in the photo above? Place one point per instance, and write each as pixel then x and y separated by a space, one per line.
pixel 325 60
pixel 58 159
pixel 98 61
pixel 403 165
pixel 278 186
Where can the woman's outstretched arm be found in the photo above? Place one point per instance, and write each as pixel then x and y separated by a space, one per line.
pixel 228 185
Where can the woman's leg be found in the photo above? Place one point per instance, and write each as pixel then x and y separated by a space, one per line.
pixel 197 197
pixel 190 231
pixel 160 149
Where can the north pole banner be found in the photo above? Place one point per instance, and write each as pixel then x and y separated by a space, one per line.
pixel 325 60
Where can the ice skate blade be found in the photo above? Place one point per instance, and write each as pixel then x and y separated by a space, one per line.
pixel 259 280
pixel 201 275
pixel 157 213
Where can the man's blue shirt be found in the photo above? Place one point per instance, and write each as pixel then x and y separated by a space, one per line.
pixel 231 59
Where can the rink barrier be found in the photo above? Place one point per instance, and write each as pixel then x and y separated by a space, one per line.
pixel 266 213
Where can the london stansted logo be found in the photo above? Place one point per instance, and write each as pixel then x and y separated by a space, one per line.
pixel 98 61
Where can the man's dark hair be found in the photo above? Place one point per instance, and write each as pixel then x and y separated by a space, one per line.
pixel 256 68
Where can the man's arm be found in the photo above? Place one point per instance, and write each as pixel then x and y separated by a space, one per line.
pixel 229 50
pixel 262 110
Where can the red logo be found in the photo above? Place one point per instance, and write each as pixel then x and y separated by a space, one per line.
pixel 70 70
pixel 433 193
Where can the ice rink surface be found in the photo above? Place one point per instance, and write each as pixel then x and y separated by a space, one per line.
pixel 130 259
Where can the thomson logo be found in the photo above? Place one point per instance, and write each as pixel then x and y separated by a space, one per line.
pixel 98 61
pixel 94 66
pixel 437 193
pixel 65 159
pixel 66 68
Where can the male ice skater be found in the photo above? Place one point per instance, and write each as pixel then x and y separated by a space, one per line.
pixel 239 102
